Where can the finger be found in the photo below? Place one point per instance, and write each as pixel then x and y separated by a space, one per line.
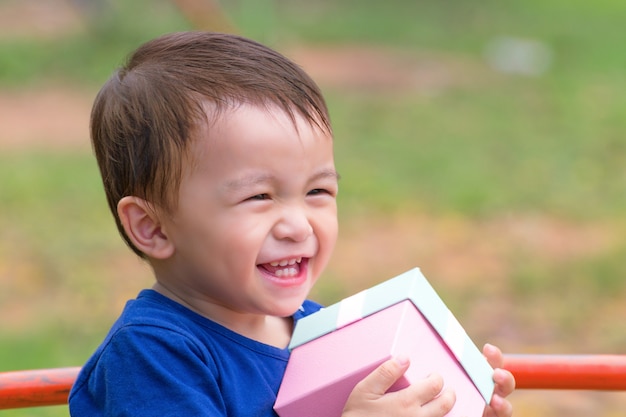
pixel 505 382
pixel 383 377
pixel 493 356
pixel 440 405
pixel 424 390
pixel 499 407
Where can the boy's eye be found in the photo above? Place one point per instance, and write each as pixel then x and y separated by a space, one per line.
pixel 260 197
pixel 317 191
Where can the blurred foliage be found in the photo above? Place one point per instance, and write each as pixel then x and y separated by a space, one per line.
pixel 491 146
pixel 109 31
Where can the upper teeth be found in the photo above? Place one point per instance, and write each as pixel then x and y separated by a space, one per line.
pixel 286 262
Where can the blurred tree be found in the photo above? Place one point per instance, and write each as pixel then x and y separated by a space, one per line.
pixel 205 15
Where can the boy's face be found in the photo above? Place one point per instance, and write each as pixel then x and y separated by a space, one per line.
pixel 257 218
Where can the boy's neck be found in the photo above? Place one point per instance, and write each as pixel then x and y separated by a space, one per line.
pixel 270 330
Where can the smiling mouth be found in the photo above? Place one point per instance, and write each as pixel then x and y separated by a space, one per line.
pixel 286 268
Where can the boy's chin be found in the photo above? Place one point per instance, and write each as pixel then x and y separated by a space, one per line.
pixel 288 309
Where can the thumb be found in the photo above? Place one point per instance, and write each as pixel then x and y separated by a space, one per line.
pixel 383 377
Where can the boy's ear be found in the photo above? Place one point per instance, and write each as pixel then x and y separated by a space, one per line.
pixel 143 228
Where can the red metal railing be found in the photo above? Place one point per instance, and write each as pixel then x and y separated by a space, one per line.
pixel 582 372
pixel 36 388
pixel 585 372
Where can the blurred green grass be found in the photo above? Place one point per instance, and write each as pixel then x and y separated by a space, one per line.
pixel 497 145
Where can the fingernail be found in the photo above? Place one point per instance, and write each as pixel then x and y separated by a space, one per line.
pixel 401 360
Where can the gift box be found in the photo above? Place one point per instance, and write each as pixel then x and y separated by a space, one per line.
pixel 335 348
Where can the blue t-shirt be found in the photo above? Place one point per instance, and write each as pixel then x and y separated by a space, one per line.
pixel 162 359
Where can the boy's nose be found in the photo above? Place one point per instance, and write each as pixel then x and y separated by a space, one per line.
pixel 293 225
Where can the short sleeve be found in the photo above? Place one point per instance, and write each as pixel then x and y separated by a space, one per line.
pixel 151 371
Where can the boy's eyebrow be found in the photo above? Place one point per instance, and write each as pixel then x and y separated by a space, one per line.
pixel 255 179
pixel 326 173
pixel 248 181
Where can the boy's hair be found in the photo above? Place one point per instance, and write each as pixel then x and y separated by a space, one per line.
pixel 146 115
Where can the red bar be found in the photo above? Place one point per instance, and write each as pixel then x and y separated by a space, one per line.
pixel 36 388
pixel 41 387
pixel 584 372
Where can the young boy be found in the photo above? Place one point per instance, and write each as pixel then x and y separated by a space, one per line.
pixel 216 155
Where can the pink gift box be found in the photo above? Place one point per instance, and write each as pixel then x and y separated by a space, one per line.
pixel 334 349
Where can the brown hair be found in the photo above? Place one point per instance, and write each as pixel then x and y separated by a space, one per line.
pixel 144 117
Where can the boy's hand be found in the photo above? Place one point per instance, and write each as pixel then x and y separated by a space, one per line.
pixel 423 398
pixel 505 384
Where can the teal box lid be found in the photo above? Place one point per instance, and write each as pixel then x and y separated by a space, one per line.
pixel 413 286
